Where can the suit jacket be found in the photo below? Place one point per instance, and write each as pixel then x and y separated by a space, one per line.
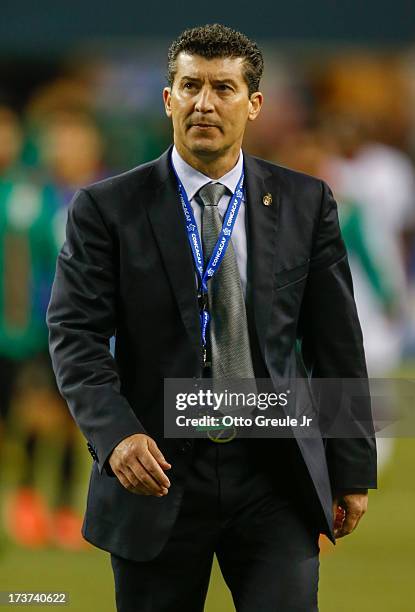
pixel 126 268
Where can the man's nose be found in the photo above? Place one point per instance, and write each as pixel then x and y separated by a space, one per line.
pixel 204 102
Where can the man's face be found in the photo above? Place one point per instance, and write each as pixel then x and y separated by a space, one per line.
pixel 209 104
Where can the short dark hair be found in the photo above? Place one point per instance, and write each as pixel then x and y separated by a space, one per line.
pixel 216 40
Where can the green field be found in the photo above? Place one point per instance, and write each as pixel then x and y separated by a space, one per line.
pixel 371 570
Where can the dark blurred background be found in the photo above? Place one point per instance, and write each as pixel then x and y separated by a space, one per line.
pixel 80 99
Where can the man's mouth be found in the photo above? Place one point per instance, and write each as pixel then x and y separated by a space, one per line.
pixel 204 126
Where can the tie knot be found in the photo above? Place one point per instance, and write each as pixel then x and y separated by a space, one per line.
pixel 211 193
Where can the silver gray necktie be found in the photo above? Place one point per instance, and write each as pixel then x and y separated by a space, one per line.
pixel 230 350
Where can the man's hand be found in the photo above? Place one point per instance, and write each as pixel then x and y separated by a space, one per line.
pixel 348 509
pixel 138 464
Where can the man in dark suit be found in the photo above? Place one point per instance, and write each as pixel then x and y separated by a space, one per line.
pixel 281 302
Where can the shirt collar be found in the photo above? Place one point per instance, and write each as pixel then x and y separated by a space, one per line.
pixel 193 180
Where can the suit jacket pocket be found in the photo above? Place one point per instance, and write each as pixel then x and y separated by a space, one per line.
pixel 284 278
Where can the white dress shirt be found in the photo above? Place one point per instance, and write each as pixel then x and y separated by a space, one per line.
pixel 193 180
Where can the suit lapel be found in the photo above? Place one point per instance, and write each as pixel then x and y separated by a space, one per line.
pixel 166 217
pixel 262 236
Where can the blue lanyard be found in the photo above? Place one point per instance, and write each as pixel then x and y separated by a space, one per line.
pixel 218 253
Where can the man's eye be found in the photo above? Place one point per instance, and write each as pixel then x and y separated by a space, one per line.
pixel 189 85
pixel 224 87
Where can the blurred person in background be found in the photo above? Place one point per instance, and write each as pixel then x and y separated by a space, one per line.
pixel 72 151
pixel 316 150
pixel 71 154
pixel 373 226
pixel 375 183
pixel 68 141
pixel 367 128
pixel 360 146
pixel 321 151
pixel 71 148
pixel 28 251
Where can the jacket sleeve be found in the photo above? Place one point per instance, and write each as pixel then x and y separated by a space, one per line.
pixel 332 348
pixel 82 318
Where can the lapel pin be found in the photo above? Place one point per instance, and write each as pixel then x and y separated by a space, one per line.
pixel 267 199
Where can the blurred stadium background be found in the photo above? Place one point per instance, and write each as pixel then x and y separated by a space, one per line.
pixel 80 99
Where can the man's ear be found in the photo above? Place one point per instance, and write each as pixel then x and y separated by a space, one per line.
pixel 167 100
pixel 255 104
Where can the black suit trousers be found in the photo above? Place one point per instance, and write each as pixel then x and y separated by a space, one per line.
pixel 245 509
